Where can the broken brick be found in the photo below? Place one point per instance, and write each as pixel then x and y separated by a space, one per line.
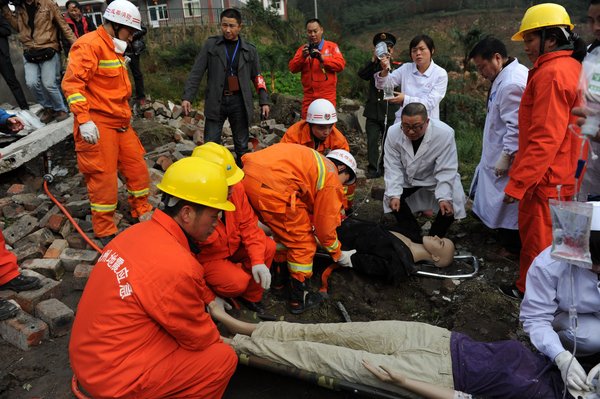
pixel 71 257
pixel 23 331
pixel 56 249
pixel 55 222
pixel 16 189
pixel 81 274
pixel 29 299
pixel 51 268
pixel 57 315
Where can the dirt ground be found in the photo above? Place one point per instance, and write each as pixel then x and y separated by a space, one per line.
pixel 472 306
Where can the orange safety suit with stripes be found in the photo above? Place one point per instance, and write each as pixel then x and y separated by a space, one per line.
pixel 297 193
pixel 299 133
pixel 319 80
pixel 8 263
pixel 141 329
pixel 233 248
pixel 548 151
pixel 97 88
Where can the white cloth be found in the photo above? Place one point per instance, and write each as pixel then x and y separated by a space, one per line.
pixel 427 88
pixel 500 134
pixel 548 296
pixel 434 166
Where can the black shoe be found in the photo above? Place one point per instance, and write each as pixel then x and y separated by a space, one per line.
pixel 257 307
pixel 511 291
pixel 301 299
pixel 8 310
pixel 280 278
pixel 21 283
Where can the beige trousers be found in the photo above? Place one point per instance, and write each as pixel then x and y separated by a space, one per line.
pixel 418 350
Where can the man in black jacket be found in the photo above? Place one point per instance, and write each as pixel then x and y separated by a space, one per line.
pixel 232 63
pixel 6 67
pixel 376 108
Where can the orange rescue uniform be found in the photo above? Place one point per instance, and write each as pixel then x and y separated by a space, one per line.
pixel 548 151
pixel 97 88
pixel 8 263
pixel 233 248
pixel 293 188
pixel 299 133
pixel 141 329
pixel 319 80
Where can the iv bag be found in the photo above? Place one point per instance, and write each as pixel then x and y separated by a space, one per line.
pixel 381 50
pixel 571 222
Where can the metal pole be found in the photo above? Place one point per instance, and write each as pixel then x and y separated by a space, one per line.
pixel 316 13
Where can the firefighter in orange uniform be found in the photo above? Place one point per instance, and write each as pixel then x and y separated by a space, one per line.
pixel 238 254
pixel 547 157
pixel 141 329
pixel 298 193
pixel 319 133
pixel 318 62
pixel 97 88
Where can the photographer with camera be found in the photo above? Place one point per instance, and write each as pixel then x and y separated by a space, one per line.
pixel 318 62
pixel 38 23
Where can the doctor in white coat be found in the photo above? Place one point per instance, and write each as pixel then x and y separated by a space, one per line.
pixel 420 156
pixel 500 139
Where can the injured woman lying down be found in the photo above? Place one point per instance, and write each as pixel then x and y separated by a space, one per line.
pixel 397 356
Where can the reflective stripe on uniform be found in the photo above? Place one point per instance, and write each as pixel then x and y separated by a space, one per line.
pixel 299 267
pixel 333 246
pixel 103 207
pixel 75 98
pixel 139 193
pixel 110 63
pixel 321 170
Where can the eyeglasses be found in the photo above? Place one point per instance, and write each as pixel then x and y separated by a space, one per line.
pixel 414 128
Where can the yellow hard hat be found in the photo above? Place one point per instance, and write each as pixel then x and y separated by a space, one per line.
pixel 199 181
pixel 543 16
pixel 216 153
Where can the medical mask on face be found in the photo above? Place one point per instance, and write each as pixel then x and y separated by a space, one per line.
pixel 120 45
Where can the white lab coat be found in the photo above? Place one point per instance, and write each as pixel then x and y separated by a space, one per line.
pixel 500 134
pixel 591 178
pixel 434 167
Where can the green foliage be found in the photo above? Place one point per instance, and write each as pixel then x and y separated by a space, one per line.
pixel 447 63
pixel 467 41
pixel 182 54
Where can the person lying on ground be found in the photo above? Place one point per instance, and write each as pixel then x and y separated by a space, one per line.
pixel 432 355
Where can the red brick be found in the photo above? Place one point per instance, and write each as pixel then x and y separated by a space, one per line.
pixel 149 114
pixel 16 189
pixel 56 249
pixel 23 331
pixel 55 222
pixel 57 315
pixel 164 162
pixel 80 275
pixel 49 289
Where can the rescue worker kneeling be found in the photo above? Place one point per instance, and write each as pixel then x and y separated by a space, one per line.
pixel 299 194
pixel 237 256
pixel 141 328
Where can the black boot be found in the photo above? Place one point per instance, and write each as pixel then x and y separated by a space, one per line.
pixel 8 310
pixel 301 299
pixel 281 276
pixel 22 283
pixel 257 307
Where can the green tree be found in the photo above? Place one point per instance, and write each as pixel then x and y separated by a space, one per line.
pixel 467 41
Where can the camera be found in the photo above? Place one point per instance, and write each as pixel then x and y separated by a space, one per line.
pixel 313 50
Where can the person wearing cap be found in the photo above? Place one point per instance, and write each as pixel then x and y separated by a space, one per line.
pixel 554 287
pixel 97 88
pixel 298 193
pixel 500 139
pixel 420 156
pixel 232 65
pixel 421 81
pixel 380 114
pixel 80 24
pixel 142 329
pixel 319 61
pixel 318 130
pixel 38 23
pixel 544 167
pixel 237 256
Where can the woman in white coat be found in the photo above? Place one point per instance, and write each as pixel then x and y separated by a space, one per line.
pixel 421 81
pixel 500 139
pixel 420 157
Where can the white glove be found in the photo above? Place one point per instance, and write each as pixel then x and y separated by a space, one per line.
pixel 573 376
pixel 89 132
pixel 595 372
pixel 345 260
pixel 222 303
pixel 502 164
pixel 262 275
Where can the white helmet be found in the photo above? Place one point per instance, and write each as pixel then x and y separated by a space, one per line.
pixel 321 112
pixel 124 12
pixel 347 159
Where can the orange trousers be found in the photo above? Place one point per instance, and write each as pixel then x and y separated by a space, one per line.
pixel 232 277
pixel 8 263
pixel 190 374
pixel 99 163
pixel 535 229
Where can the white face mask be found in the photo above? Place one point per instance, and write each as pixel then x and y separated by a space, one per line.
pixel 120 45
